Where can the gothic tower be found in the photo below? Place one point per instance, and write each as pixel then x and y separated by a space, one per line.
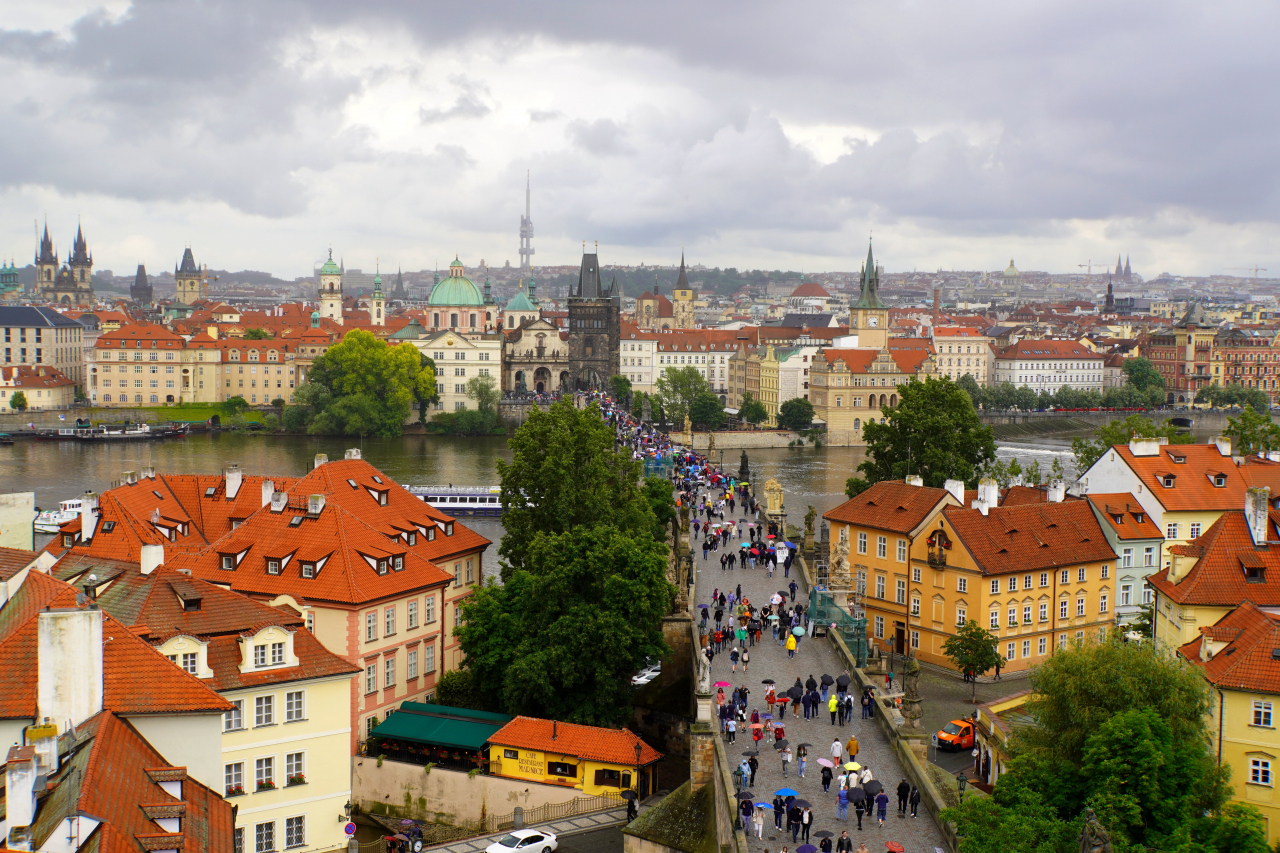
pixel 378 305
pixel 81 262
pixel 140 291
pixel 192 280
pixel 594 328
pixel 869 315
pixel 1119 267
pixel 46 261
pixel 331 290
pixel 682 300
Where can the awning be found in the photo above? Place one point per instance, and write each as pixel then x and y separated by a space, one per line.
pixel 439 725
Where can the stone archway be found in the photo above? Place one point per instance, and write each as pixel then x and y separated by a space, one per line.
pixel 542 380
pixel 566 381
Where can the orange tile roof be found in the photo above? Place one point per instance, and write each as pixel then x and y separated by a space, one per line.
pixel 1218 577
pixel 1030 537
pixel 1028 350
pixel 1021 495
pixel 889 505
pixel 1246 662
pixel 1125 515
pixel 1193 467
pixel 811 289
pixel 591 743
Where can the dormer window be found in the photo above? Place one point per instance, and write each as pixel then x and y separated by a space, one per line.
pixel 1137 516
pixel 1167 481
pixel 413 537
pixel 68 540
pixel 1254 574
pixel 273 567
pixel 382 498
pixel 431 534
pixel 448 528
pixel 308 570
pixel 399 562
pixel 1179 460
pixel 190 605
pixel 228 562
pixel 382 567
pixel 1219 480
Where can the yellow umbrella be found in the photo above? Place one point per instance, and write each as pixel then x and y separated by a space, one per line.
pixel 853 765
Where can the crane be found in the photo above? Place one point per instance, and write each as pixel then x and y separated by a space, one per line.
pixel 1088 266
pixel 1254 269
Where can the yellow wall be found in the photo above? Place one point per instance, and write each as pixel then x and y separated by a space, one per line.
pixel 323 736
pixel 532 765
pixel 1243 742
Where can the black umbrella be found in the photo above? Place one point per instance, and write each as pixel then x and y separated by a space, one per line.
pixel 873 787
pixel 804 804
pixel 783 593
pixel 629 795
pixel 796 692
pixel 827 680
pixel 750 752
pixel 745 795
pixel 807 745
pixel 824 834
pixel 856 794
pixel 768 681
pixel 842 682
pixel 779 744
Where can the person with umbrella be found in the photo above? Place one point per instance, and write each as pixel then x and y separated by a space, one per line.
pixel 802 752
pixel 826 778
pixel 779 808
pixel 746 807
pixel 806 822
pixel 860 806
pixel 793 821
pixel 757 820
pixel 842 684
pixel 824 846
pixel 826 681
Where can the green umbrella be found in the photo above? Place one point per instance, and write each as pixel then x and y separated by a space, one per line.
pixel 798 631
pixel 773 616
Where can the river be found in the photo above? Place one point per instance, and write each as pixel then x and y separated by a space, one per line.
pixel 58 470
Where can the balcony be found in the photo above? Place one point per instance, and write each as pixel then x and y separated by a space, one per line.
pixel 937 558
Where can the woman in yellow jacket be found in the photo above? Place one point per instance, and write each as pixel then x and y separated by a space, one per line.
pixel 833 705
pixel 791 645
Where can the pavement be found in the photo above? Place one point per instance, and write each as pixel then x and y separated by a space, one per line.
pixel 769 660
pixel 597 824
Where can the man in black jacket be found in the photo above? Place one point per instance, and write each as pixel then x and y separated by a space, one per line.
pixel 904 791
pixel 844 844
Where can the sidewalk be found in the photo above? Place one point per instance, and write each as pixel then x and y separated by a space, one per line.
pixel 560 828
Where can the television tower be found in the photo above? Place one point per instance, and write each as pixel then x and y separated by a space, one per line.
pixel 526 232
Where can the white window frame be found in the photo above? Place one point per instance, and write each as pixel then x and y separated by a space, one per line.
pixel 295 706
pixel 233 720
pixel 1262 713
pixel 264 837
pixel 264 710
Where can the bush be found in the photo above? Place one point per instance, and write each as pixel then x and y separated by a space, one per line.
pixel 271 422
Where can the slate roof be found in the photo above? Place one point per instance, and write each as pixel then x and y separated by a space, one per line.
pixel 591 743
pixel 889 505
pixel 1030 537
pixel 1218 577
pixel 25 315
pixel 1247 662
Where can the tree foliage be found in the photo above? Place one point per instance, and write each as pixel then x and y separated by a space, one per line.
pixel 706 411
pixel 483 391
pixel 361 386
pixel 1088 451
pixel 795 414
pixel 564 473
pixel 18 401
pixel 677 388
pixel 457 688
pixel 561 636
pixel 972 648
pixel 934 431
pixel 257 334
pixel 1141 374
pixel 1252 432
pixel 620 387
pixel 1225 396
pixel 752 410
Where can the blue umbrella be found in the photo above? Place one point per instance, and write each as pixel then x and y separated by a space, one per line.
pixel 764 805
pixel 789 544
pixel 785 792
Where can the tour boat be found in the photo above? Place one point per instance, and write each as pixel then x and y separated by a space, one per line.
pixel 50 521
pixel 461 500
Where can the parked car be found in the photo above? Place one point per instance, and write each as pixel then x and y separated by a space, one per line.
pixel 530 840
pixel 649 673
pixel 956 735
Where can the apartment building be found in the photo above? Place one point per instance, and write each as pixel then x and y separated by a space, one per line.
pixel 147 364
pixel 1138 542
pixel 41 337
pixel 460 356
pixel 963 350
pixel 1046 365
pixel 851 387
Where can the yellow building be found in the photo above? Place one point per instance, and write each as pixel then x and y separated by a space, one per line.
pixel 595 760
pixel 147 364
pixel 1037 574
pixel 769 385
pixel 849 387
pixel 994 724
pixel 1236 654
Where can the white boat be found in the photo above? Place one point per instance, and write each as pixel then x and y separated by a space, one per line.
pixel 461 500
pixel 50 521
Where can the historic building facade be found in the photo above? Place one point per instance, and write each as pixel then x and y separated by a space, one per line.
pixel 536 358
pixel 594 328
pixel 72 284
pixel 192 280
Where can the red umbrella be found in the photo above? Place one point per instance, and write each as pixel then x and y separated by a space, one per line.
pixel 893 847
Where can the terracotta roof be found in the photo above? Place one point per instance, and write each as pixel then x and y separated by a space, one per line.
pixel 108 770
pixel 14 560
pixel 1247 661
pixel 1028 349
pixel 907 353
pixel 1126 516
pixel 592 743
pixel 1193 467
pixel 1029 537
pixel 889 505
pixel 1218 577
pixel 1022 495
pixel 27 376
pixel 136 678
pixel 810 289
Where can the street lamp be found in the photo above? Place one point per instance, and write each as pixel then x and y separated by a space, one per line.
pixel 962 781
pixel 738 776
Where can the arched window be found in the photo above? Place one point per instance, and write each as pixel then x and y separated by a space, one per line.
pixel 453 321
pixel 435 320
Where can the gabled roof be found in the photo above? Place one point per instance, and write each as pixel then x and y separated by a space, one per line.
pixel 1031 536
pixel 14 560
pixel 591 743
pixel 1193 467
pixel 1125 516
pixel 1248 661
pixel 1222 553
pixel 890 505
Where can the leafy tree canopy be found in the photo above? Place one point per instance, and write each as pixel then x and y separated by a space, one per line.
pixel 934 431
pixel 972 649
pixel 752 410
pixel 1251 432
pixel 1224 396
pixel 677 388
pixel 706 411
pixel 795 414
pixel 18 401
pixel 483 390
pixel 562 635
pixel 1088 451
pixel 1142 375
pixel 565 472
pixel 256 334
pixel 620 387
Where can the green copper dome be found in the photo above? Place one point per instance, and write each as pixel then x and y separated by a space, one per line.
pixel 456 291
pixel 330 268
pixel 520 302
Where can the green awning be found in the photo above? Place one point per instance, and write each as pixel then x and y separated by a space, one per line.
pixel 439 725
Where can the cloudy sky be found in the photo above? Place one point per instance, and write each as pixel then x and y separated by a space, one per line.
pixel 752 134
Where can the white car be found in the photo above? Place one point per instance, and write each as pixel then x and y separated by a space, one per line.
pixel 647 674
pixel 530 840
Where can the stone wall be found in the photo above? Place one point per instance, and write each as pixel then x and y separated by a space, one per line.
pixel 743 439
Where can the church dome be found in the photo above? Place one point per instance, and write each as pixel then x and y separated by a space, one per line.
pixel 330 268
pixel 1012 270
pixel 456 290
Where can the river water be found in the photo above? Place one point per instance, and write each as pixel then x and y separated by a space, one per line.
pixel 58 470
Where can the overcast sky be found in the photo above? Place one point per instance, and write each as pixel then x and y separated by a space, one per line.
pixel 752 134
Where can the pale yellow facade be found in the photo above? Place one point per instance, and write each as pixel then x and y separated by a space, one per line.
pixel 1250 744
pixel 769 386
pixel 123 377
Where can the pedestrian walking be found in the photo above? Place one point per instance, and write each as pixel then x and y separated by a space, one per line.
pixel 731 726
pixel 746 660
pixel 786 760
pixel 836 751
pixel 842 804
pixel 806 822
pixel 860 804
pixel 844 844
pixel 792 587
pixel 778 808
pixel 733 659
pixel 791 646
pixel 801 753
pixel 754 765
pixel 793 822
pixel 904 791
pixel 826 779
pixel 914 800
pixel 882 808
pixel 851 746
pixel 757 820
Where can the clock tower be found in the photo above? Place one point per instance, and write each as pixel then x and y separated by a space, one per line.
pixel 869 316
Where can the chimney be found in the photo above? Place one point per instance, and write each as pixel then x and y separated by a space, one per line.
pixel 1273 455
pixel 234 478
pixel 988 494
pixel 1015 480
pixel 278 501
pixel 69 666
pixel 915 480
pixel 20 796
pixel 353 453
pixel 1146 446
pixel 152 557
pixel 321 458
pixel 1056 491
pixel 956 488
pixel 128 478
pixel 1224 444
pixel 315 504
pixel 149 472
pixel 553 729
pixel 268 489
pixel 1256 504
pixel 88 516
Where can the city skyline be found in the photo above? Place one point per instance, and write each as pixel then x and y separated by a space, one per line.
pixel 1056 135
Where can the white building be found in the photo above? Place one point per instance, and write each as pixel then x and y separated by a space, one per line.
pixel 458 357
pixel 1045 365
pixel 962 350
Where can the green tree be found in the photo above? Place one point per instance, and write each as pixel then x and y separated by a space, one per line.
pixel 795 414
pixel 973 649
pixel 484 391
pixel 236 405
pixel 1145 624
pixel 678 387
pixel 1008 824
pixel 561 636
pixel 1252 432
pixel 1002 396
pixel 752 410
pixel 457 689
pixel 1025 399
pixel 706 412
pixel 371 387
pixel 1088 451
pixel 427 396
pixel 278 402
pixel 257 334
pixel 1141 374
pixel 620 386
pixel 1033 474
pixel 18 401
pixel 1055 470
pixel 970 386
pixel 565 473
pixel 657 491
pixel 934 431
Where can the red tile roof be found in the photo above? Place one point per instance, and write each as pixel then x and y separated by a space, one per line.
pixel 1193 467
pixel 1246 662
pixel 1029 350
pixel 811 289
pixel 1218 577
pixel 26 376
pixel 591 743
pixel 1126 516
pixel 1029 537
pixel 889 505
